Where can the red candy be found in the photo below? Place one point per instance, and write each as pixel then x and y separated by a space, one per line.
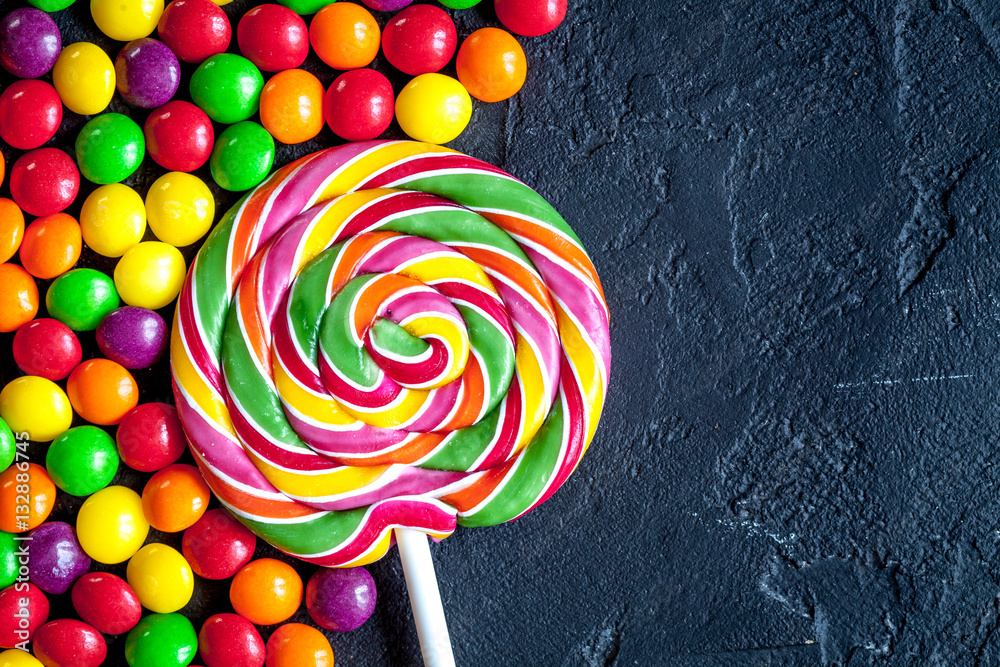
pixel 419 39
pixel 69 643
pixel 18 623
pixel 530 18
pixel 44 181
pixel 229 640
pixel 179 135
pixel 359 105
pixel 107 602
pixel 218 545
pixel 194 29
pixel 150 437
pixel 30 113
pixel 274 38
pixel 46 348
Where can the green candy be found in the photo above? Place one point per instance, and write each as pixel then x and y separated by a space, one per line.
pixel 109 148
pixel 305 6
pixel 51 5
pixel 8 559
pixel 8 446
pixel 161 640
pixel 459 4
pixel 81 298
pixel 227 88
pixel 242 157
pixel 82 461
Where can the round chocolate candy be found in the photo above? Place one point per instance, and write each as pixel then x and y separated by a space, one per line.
pixel 29 42
pixel 195 29
pixel 147 73
pixel 217 546
pixel 109 148
pixel 387 5
pixel 8 558
pixel 55 557
pixel 419 39
pixel 82 460
pixel 12 603
pixel 179 135
pixel 85 78
pixel 67 641
pixel 227 87
pixel 161 640
pixel 81 298
pixel 150 437
pixel 242 157
pixel 106 602
pixel 44 181
pixel 30 113
pixel 46 348
pixel 132 336
pixel 341 599
pixel 273 37
pixel 229 640
pixel 111 526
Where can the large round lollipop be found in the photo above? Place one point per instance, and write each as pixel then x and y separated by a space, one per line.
pixel 388 335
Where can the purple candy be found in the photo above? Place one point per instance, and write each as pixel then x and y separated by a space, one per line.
pixel 55 558
pixel 386 5
pixel 133 337
pixel 147 72
pixel 341 599
pixel 29 42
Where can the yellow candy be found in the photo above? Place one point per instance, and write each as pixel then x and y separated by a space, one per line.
pixel 18 658
pixel 84 78
pixel 434 108
pixel 113 219
pixel 150 275
pixel 111 525
pixel 35 406
pixel 179 208
pixel 161 577
pixel 126 20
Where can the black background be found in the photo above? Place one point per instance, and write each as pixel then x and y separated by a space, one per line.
pixel 792 207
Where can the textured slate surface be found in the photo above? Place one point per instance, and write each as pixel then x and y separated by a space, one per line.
pixel 792 205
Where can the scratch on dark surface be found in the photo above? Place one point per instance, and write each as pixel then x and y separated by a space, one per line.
pixel 511 122
pixel 764 652
pixel 889 383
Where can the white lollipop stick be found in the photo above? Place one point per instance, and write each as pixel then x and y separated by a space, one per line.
pixel 425 599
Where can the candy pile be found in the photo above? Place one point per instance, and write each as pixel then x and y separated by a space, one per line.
pixel 230 89
pixel 87 405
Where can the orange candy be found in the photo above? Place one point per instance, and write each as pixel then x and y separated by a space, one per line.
pixel 16 515
pixel 11 228
pixel 175 498
pixel 291 106
pixel 102 391
pixel 51 245
pixel 266 591
pixel 18 297
pixel 491 65
pixel 298 645
pixel 345 35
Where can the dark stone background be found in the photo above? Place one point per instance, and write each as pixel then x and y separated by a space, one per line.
pixel 792 206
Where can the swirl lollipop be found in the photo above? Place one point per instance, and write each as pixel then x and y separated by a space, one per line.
pixel 388 336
